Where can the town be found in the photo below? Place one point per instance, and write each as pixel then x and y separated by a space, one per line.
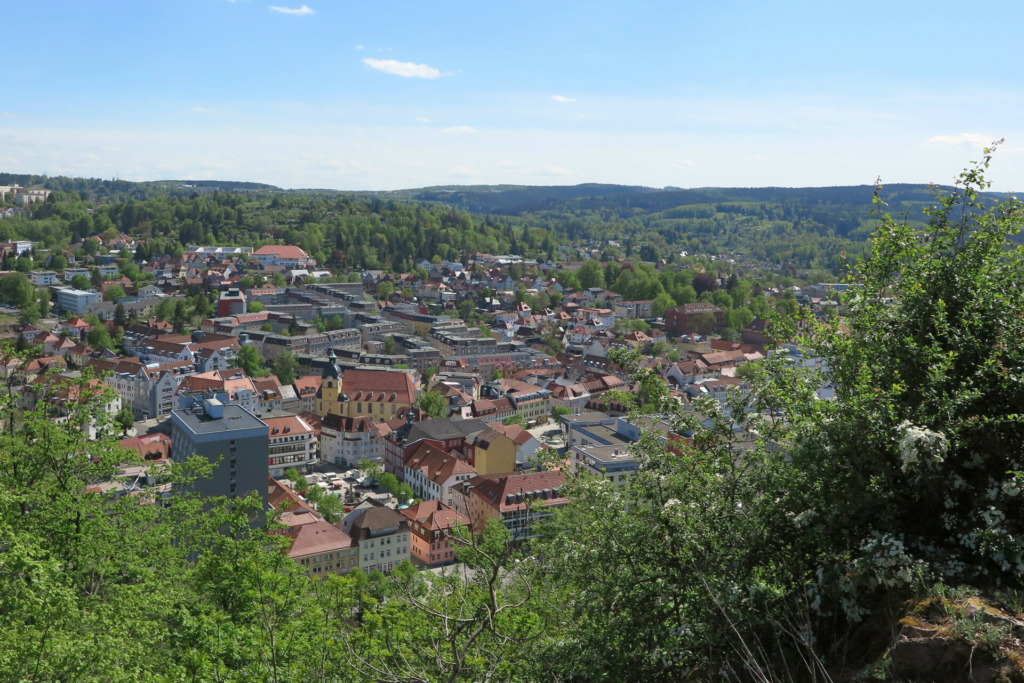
pixel 376 413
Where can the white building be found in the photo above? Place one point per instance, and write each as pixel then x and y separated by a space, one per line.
pixel 292 444
pixel 75 300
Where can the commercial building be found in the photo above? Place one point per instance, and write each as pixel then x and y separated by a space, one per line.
pixel 230 437
pixel 75 300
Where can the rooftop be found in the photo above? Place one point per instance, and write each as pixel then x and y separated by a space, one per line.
pixel 235 418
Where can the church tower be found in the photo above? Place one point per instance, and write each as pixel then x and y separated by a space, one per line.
pixel 328 397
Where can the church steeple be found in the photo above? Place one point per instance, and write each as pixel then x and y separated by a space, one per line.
pixel 331 370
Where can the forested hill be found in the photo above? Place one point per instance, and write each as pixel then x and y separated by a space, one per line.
pixel 98 189
pixel 519 200
pixel 799 228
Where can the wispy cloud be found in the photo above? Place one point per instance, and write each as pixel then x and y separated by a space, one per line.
pixel 359 47
pixel 961 139
pixel 420 119
pixel 459 129
pixel 562 99
pixel 555 171
pixel 297 11
pixel 8 114
pixel 403 69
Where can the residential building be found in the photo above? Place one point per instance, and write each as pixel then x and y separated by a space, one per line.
pixel 381 534
pixel 529 401
pixel 292 443
pixel 433 474
pixel 491 452
pixel 318 547
pixel 516 500
pixel 432 525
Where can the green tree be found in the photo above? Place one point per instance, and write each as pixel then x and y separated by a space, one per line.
pixel 371 469
pixel 286 367
pixel 433 403
pixel 590 274
pixel 16 290
pixel 99 338
pixel 250 361
pixel 255 306
pixel 125 419
pixel 80 281
pixel 384 289
pixel 388 482
pixel 934 416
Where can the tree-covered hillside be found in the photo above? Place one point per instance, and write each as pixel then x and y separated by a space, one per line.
pixel 804 228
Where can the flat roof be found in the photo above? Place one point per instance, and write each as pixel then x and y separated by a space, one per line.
pixel 609 454
pixel 235 418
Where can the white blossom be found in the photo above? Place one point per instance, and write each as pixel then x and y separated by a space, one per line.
pixel 919 445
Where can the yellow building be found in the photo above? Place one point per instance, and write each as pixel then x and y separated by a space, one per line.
pixel 377 394
pixel 492 452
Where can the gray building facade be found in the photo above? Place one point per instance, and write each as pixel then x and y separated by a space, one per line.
pixel 229 436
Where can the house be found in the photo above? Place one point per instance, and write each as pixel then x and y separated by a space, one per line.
pixel 316 546
pixel 155 446
pixel 491 411
pixel 529 401
pixel 433 473
pixel 432 526
pixel 566 393
pixel 75 327
pixel 516 500
pixel 381 535
pixel 526 444
pixel 444 434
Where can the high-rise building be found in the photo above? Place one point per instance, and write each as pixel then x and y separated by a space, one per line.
pixel 229 436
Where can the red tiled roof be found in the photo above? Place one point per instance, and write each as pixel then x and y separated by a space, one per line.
pixel 281 251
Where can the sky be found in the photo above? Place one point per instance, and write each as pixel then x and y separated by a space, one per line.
pixel 393 94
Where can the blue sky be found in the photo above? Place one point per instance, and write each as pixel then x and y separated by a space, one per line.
pixel 396 94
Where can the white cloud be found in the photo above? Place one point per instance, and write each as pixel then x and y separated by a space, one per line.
pixel 8 114
pixel 961 139
pixel 297 11
pixel 563 99
pixel 459 129
pixel 359 47
pixel 403 69
pixel 555 170
pixel 462 172
pixel 422 120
